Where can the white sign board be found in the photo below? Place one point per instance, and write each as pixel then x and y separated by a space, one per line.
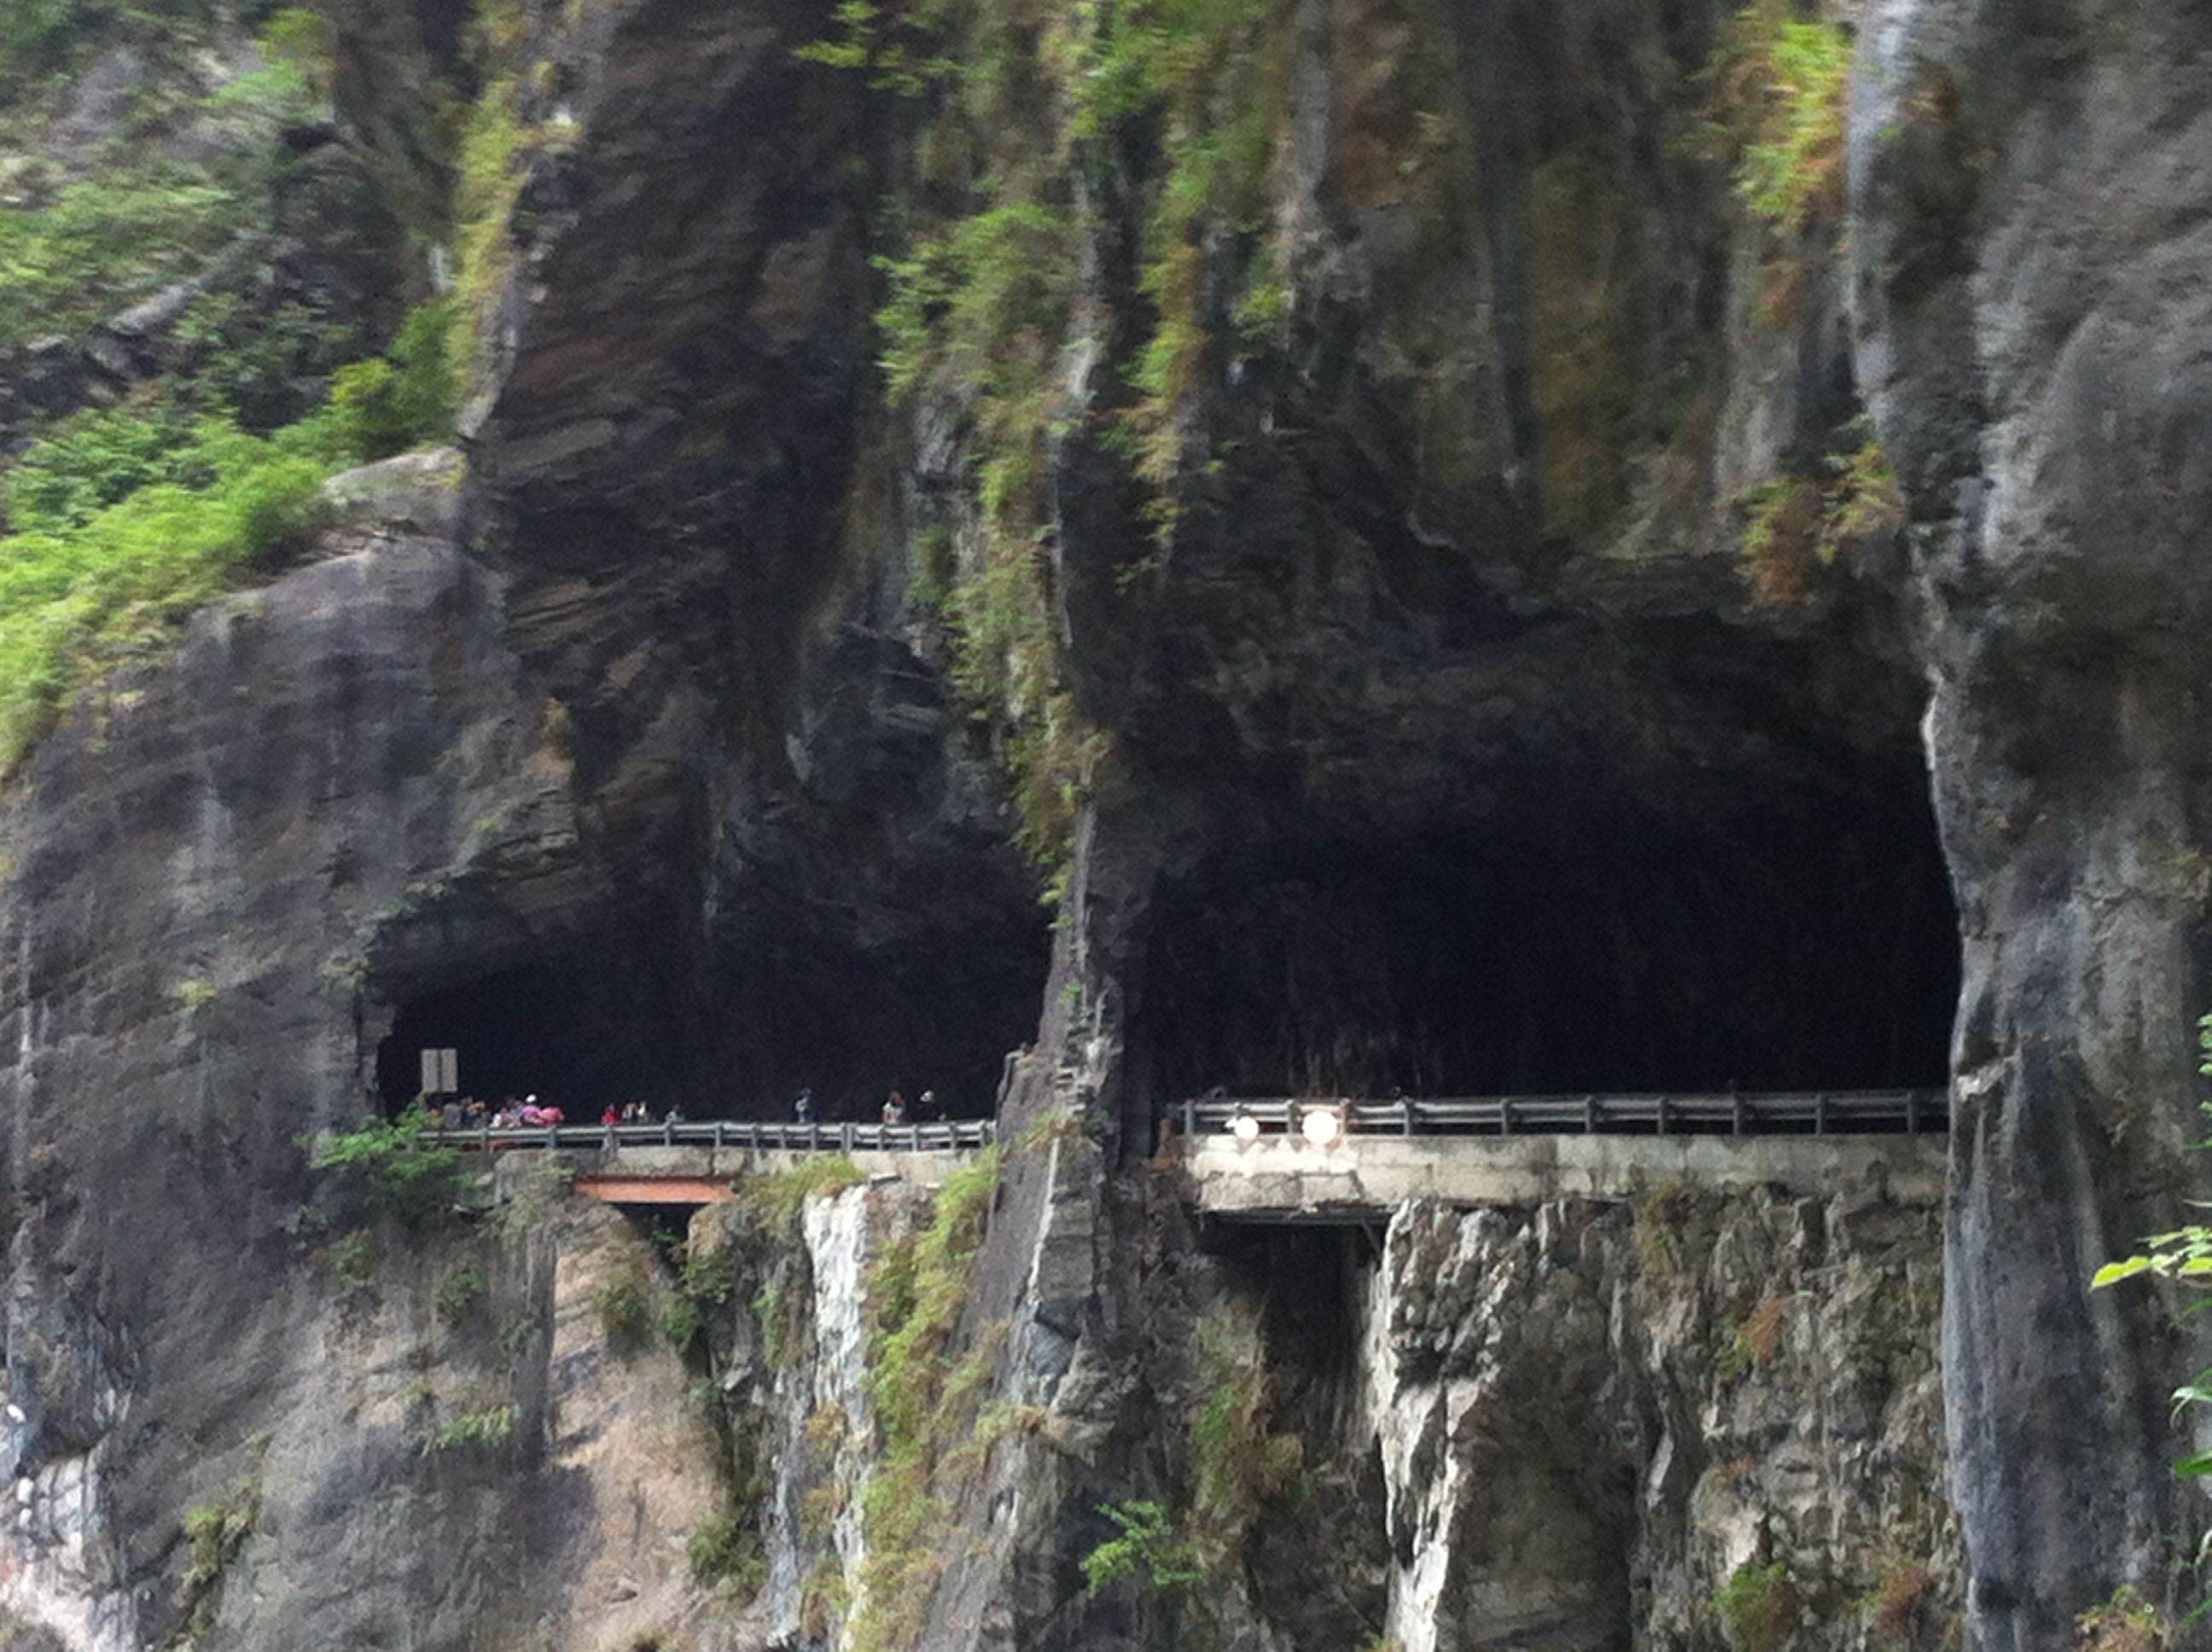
pixel 442 1073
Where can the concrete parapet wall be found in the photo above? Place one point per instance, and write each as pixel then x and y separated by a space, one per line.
pixel 1283 1178
pixel 683 1163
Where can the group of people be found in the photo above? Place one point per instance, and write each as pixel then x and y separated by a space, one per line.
pixel 637 1113
pixel 924 1110
pixel 527 1112
pixel 897 1109
pixel 468 1112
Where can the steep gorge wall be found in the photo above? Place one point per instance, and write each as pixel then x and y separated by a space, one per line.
pixel 662 704
pixel 2023 328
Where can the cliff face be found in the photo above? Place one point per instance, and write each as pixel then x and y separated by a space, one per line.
pixel 2021 323
pixel 1388 676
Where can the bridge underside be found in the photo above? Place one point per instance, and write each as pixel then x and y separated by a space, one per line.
pixel 653 1190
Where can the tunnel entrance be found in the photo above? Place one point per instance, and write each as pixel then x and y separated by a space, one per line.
pixel 1810 950
pixel 933 1013
pixel 576 1038
pixel 740 1037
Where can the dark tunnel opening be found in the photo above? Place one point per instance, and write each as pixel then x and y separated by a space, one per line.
pixel 570 1036
pixel 936 1014
pixel 739 1039
pixel 1771 951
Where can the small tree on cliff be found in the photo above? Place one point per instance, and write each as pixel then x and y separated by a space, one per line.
pixel 2184 1256
pixel 398 1164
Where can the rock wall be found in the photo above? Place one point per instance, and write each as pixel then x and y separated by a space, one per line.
pixel 1448 742
pixel 1614 1426
pixel 2019 328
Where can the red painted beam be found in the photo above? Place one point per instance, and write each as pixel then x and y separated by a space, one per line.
pixel 654 1190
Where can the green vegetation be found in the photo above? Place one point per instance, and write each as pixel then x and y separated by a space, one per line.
pixel 1207 74
pixel 984 288
pixel 93 246
pixel 824 1600
pixel 1758 1339
pixel 1243 1475
pixel 916 1294
pixel 1241 1466
pixel 402 1170
pixel 490 167
pixel 120 519
pixel 492 1425
pixel 679 1322
pixel 489 182
pixel 1780 100
pixel 518 1334
pixel 1758 1606
pixel 1779 105
pixel 1053 1123
pixel 774 1202
pixel 407 399
pixel 624 1309
pixel 350 1260
pixel 1667 1228
pixel 124 519
pixel 83 237
pixel 302 40
pixel 1893 1605
pixel 213 1534
pixel 2184 1257
pixel 78 597
pixel 458 1290
pixel 1145 1550
pixel 2125 1623
pixel 1793 525
pixel 708 1273
pixel 724 1550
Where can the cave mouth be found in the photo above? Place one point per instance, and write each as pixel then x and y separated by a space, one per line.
pixel 740 1035
pixel 937 1011
pixel 556 1030
pixel 1805 950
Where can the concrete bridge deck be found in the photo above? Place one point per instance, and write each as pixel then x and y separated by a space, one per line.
pixel 1286 1178
pixel 703 1175
pixel 1256 1161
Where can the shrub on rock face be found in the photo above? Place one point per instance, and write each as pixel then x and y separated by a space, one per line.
pixel 493 1425
pixel 623 1311
pixel 723 1549
pixel 406 400
pixel 1758 1606
pixel 398 1165
pixel 1147 1550
pixel 458 1290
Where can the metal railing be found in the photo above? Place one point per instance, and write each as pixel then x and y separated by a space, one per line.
pixel 749 1135
pixel 1824 1113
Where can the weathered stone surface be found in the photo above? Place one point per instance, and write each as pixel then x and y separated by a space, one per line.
pixel 1592 1419
pixel 1446 743
pixel 2025 343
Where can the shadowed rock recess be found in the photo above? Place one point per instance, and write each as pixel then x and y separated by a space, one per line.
pixel 1073 555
